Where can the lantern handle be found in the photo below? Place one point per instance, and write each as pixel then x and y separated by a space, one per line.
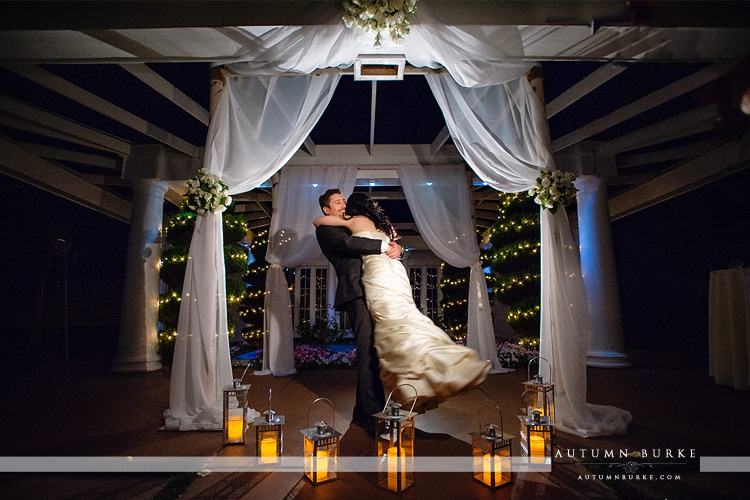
pixel 416 395
pixel 498 410
pixel 549 365
pixel 333 411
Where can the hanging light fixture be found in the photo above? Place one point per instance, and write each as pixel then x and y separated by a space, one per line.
pixel 321 448
pixel 235 412
pixel 269 435
pixel 492 452
pixel 394 432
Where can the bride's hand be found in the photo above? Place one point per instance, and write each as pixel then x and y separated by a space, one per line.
pixel 394 250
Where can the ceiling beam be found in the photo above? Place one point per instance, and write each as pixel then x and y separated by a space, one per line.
pixel 27 167
pixel 724 160
pixel 685 124
pixel 53 153
pixel 643 104
pixel 122 42
pixel 373 106
pixel 162 86
pixel 440 140
pixel 86 98
pixel 695 149
pixel 40 121
pixel 596 79
pixel 309 146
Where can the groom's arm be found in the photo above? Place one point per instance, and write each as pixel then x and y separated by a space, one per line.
pixel 335 241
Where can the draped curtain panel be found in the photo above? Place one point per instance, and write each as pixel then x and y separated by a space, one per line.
pixel 438 197
pixel 496 122
pixel 292 243
pixel 257 126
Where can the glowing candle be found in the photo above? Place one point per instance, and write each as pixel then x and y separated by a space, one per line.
pixel 394 468
pixel 267 450
pixel 322 465
pixel 234 428
pixel 536 451
pixel 489 470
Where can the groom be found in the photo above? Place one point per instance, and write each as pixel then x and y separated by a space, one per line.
pixel 345 251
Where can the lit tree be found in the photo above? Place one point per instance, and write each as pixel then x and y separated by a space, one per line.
pixel 514 258
pixel 251 308
pixel 178 232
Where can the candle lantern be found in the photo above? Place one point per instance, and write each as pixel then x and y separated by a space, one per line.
pixel 536 438
pixel 492 453
pixel 269 435
pixel 540 394
pixel 321 448
pixel 395 437
pixel 235 412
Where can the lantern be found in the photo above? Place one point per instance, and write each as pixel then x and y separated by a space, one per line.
pixel 540 395
pixel 492 453
pixel 536 438
pixel 269 435
pixel 321 448
pixel 235 412
pixel 395 436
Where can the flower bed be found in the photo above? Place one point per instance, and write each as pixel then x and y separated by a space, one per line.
pixel 307 357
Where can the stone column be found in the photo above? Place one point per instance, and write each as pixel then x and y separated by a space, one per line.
pixel 140 304
pixel 606 347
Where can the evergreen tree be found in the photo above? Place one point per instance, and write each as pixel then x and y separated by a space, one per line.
pixel 251 308
pixel 454 305
pixel 178 232
pixel 514 258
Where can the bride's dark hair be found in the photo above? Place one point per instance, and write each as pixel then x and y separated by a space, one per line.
pixel 361 204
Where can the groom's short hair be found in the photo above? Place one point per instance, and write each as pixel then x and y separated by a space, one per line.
pixel 326 197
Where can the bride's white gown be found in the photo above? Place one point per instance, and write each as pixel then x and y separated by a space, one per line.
pixel 411 349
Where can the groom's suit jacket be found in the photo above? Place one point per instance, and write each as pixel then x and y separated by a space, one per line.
pixel 344 251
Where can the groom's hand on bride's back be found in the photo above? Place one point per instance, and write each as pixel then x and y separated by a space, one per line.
pixel 394 250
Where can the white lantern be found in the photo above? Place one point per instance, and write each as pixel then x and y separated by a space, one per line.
pixel 492 453
pixel 235 412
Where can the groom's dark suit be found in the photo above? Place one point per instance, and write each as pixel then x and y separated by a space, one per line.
pixel 344 251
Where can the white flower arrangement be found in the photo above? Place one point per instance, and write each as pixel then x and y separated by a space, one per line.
pixel 390 16
pixel 207 194
pixel 553 189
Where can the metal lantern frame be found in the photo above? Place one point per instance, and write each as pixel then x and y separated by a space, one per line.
pixel 395 439
pixel 321 448
pixel 269 435
pixel 537 443
pixel 493 454
pixel 540 395
pixel 234 417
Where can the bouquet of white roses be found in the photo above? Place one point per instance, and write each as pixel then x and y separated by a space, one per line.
pixel 553 189
pixel 207 194
pixel 391 16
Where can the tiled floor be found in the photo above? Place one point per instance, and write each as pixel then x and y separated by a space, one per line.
pixel 674 403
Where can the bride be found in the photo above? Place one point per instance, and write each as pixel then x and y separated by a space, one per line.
pixel 411 349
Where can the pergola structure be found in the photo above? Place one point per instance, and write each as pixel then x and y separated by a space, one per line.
pixel 98 99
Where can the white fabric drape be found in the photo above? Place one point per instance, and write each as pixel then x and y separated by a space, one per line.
pixel 291 243
pixel 502 133
pixel 258 124
pixel 495 120
pixel 438 197
pixel 201 366
pixel 564 334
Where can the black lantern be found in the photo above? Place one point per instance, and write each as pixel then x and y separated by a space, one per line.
pixel 321 448
pixel 235 412
pixel 395 438
pixel 269 435
pixel 540 394
pixel 492 453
